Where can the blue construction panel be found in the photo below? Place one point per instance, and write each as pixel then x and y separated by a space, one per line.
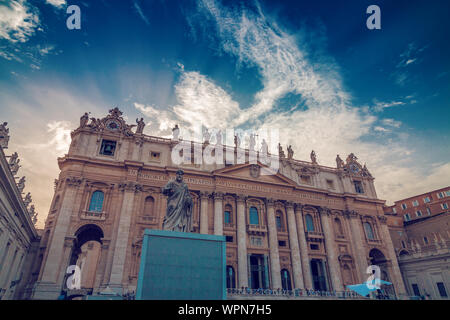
pixel 181 266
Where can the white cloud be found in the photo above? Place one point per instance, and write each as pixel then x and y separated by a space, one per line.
pixel 57 3
pixel 18 21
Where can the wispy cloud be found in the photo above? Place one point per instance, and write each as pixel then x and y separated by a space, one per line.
pixel 18 21
pixel 327 121
pixel 141 14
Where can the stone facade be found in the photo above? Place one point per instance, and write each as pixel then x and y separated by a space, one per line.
pixel 422 245
pixel 19 239
pixel 306 226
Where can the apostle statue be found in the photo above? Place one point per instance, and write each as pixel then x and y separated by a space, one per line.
pixel 252 142
pixel 237 141
pixel 264 147
pixel 175 132
pixel 84 120
pixel 313 157
pixel 339 162
pixel 15 167
pixel 290 152
pixel 206 136
pixel 179 205
pixel 140 125
pixel 280 151
pixel 27 199
pixel 4 135
pixel 21 184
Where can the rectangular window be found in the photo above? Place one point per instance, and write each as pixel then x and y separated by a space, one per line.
pixel 358 187
pixel 404 206
pixel 426 200
pixel 256 241
pixel 415 288
pixel 282 243
pixel 418 213
pixel 227 217
pixel 407 217
pixel 440 195
pixel 108 147
pixel 229 238
pixel 305 179
pixel 447 193
pixel 394 210
pixel 441 289
pixel 415 203
pixel 444 206
pixel 314 246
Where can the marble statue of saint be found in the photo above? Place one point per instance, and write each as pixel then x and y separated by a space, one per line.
pixel 4 135
pixel 206 136
pixel 290 152
pixel 13 159
pixel 21 184
pixel 280 151
pixel 140 125
pixel 15 167
pixel 179 205
pixel 264 147
pixel 27 199
pixel 84 120
pixel 176 132
pixel 339 162
pixel 313 157
pixel 252 142
pixel 237 141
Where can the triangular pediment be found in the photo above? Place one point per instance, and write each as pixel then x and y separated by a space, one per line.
pixel 254 172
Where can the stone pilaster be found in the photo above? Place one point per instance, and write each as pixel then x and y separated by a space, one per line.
pixel 123 231
pixel 397 276
pixel 295 251
pixel 69 243
pixel 303 248
pixel 48 286
pixel 242 242
pixel 359 252
pixel 204 225
pixel 218 213
pixel 273 246
pixel 330 246
pixel 101 266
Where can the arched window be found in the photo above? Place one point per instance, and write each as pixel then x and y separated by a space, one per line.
pixel 285 280
pixel 254 217
pixel 309 223
pixel 369 231
pixel 148 206
pixel 339 229
pixel 227 214
pixel 96 203
pixel 231 278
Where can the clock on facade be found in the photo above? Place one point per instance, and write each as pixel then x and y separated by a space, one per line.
pixel 112 125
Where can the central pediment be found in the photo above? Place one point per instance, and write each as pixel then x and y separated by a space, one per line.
pixel 256 173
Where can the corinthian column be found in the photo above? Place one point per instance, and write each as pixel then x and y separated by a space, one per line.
pixel 330 246
pixel 129 189
pixel 218 214
pixel 242 242
pixel 358 249
pixel 303 247
pixel 397 276
pixel 273 246
pixel 295 251
pixel 204 196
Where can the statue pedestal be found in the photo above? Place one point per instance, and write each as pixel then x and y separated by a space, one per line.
pixel 181 266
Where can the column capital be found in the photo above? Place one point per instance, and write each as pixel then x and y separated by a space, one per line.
pixel 205 194
pixel 130 186
pixel 74 181
pixel 241 197
pixel 382 219
pixel 218 195
pixel 69 241
pixel 289 205
pixel 298 207
pixel 270 202
pixel 324 211
pixel 351 213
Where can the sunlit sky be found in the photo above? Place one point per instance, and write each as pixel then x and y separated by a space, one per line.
pixel 312 69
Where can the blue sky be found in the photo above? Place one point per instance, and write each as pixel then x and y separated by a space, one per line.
pixel 310 68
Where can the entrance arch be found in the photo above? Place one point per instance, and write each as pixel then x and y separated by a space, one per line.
pixel 86 254
pixel 377 258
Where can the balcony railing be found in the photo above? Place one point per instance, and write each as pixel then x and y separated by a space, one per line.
pixel 256 229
